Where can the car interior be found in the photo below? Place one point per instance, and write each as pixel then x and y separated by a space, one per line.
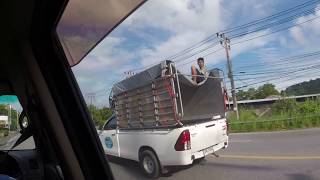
pixel 35 69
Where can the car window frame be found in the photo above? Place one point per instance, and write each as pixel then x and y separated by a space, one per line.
pixel 107 127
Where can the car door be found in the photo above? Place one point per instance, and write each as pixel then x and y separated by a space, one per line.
pixel 109 137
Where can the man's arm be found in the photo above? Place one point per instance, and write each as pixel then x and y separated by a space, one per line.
pixel 194 73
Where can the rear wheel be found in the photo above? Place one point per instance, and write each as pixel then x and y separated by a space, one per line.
pixel 149 164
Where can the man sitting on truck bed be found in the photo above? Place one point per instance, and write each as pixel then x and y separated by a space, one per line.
pixel 199 75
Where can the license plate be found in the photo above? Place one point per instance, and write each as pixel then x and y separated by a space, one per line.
pixel 207 150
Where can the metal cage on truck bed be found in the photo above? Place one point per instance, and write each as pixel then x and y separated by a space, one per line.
pixel 163 97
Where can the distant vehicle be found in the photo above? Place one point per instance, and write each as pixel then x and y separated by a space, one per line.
pixel 4 122
pixel 162 119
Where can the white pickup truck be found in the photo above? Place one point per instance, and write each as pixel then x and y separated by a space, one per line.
pixel 167 122
pixel 156 148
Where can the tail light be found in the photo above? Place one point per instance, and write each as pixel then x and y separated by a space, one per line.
pixel 183 143
pixel 225 99
pixel 226 127
pixel 227 124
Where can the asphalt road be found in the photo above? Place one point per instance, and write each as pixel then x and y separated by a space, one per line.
pixel 287 155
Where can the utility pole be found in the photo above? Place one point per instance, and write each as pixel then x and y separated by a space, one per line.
pixel 225 42
pixel 9 117
pixel 17 120
pixel 91 97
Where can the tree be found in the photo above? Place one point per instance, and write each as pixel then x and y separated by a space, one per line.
pixel 307 87
pixel 99 115
pixel 260 93
pixel 265 91
pixel 251 93
pixel 242 95
pixel 4 110
pixel 246 95
pixel 106 113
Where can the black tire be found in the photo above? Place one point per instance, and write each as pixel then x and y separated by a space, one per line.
pixel 149 164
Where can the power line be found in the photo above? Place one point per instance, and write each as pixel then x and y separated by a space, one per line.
pixel 199 44
pixel 281 61
pixel 268 25
pixel 279 30
pixel 285 75
pixel 250 39
pixel 282 76
pixel 212 52
pixel 282 79
pixel 274 69
pixel 195 46
pixel 290 78
pixel 277 23
pixel 302 70
pixel 295 77
pixel 267 18
pixel 288 74
pixel 271 17
pixel 281 73
pixel 197 52
pixel 210 38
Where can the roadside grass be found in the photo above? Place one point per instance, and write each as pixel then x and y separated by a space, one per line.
pixel 4 132
pixel 284 115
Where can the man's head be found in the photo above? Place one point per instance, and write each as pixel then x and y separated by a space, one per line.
pixel 200 62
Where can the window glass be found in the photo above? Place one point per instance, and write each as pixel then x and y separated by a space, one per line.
pixel 112 124
pixel 10 110
pixel 179 63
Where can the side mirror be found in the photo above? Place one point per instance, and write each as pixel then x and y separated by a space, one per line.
pixel 23 121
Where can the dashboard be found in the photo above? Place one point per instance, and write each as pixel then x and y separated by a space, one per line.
pixel 21 164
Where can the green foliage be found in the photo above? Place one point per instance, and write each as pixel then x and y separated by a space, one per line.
pixel 285 106
pixel 286 114
pixel 307 87
pixel 3 132
pixel 260 93
pixel 246 95
pixel 244 115
pixel 99 115
pixel 265 91
pixel 4 110
pixel 309 106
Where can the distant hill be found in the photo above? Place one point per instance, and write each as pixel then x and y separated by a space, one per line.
pixel 307 87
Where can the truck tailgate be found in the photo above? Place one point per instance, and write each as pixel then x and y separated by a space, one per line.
pixel 204 135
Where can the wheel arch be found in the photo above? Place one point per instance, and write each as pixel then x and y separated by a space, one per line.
pixel 143 148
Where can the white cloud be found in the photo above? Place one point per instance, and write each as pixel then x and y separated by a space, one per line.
pixel 180 15
pixel 298 35
pixel 305 34
pixel 300 39
pixel 185 21
pixel 100 69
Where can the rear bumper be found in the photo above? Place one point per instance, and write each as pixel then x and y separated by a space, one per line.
pixel 209 150
pixel 187 157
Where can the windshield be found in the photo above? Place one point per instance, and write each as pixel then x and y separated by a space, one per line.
pixel 79 30
pixel 192 80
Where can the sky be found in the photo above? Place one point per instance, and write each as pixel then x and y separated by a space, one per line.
pixel 11 100
pixel 162 28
